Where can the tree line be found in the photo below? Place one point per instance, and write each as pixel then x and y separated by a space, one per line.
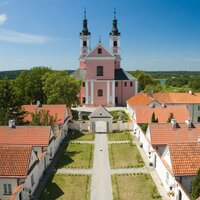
pixel 148 83
pixel 39 84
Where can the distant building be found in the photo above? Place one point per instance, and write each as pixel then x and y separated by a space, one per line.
pixel 190 99
pixel 104 82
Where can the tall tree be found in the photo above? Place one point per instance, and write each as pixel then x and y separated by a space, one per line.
pixel 9 104
pixel 29 86
pixel 61 88
pixel 171 116
pixel 43 118
pixel 196 186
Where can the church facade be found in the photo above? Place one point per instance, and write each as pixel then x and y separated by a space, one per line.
pixel 104 82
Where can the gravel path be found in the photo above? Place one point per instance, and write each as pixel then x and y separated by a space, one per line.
pixel 101 187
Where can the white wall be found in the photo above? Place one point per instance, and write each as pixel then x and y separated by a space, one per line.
pixel 3 181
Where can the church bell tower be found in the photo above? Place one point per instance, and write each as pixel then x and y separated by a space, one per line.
pixel 115 41
pixel 84 41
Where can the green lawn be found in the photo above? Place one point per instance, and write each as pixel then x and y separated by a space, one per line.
pixel 77 156
pixel 65 186
pixel 124 156
pixel 125 135
pixel 82 136
pixel 134 186
pixel 115 114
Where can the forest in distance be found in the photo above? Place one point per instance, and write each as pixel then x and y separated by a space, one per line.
pixel 155 74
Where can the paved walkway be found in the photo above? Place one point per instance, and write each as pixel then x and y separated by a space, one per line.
pixel 74 171
pixel 118 142
pixel 101 187
pixel 82 142
pixel 129 170
pixel 154 175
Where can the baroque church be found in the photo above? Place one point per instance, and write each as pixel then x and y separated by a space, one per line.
pixel 104 82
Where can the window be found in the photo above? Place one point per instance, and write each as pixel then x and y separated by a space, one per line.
pixel 99 51
pixel 198 119
pixel 116 84
pixel 116 100
pixel 85 43
pixel 115 43
pixel 131 84
pixel 7 188
pixel 125 84
pixel 32 180
pixel 83 100
pixel 99 71
pixel 100 93
pixel 83 84
pixel 198 107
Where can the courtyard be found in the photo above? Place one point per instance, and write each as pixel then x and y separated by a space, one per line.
pixel 101 166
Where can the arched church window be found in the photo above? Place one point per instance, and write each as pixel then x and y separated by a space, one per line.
pixel 85 43
pixel 99 70
pixel 115 43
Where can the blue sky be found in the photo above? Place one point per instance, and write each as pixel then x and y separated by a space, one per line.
pixel 155 34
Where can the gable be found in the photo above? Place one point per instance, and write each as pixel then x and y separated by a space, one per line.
pixel 100 112
pixel 166 156
pixel 94 53
pixel 33 159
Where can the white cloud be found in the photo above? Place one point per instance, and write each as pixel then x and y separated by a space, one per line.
pixel 3 18
pixel 19 37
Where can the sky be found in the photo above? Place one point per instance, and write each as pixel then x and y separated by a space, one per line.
pixel 156 35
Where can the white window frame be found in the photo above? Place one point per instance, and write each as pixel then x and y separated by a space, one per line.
pixel 7 188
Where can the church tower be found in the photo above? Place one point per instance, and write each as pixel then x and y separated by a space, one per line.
pixel 84 41
pixel 115 41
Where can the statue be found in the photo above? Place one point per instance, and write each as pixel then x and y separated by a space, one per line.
pixel 79 115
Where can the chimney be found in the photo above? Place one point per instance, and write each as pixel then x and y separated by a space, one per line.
pixel 174 124
pixel 164 105
pixel 11 123
pixel 38 104
pixel 189 123
pixel 190 92
pixel 150 94
pixel 152 105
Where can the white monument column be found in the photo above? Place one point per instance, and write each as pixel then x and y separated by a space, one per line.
pixel 86 91
pixel 108 92
pixel 113 92
pixel 92 91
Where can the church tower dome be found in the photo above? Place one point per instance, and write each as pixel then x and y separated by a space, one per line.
pixel 115 41
pixel 84 41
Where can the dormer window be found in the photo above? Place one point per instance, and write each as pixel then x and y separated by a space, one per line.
pixel 85 43
pixel 99 70
pixel 99 51
pixel 115 43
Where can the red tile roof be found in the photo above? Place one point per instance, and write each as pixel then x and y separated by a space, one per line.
pixel 25 135
pixel 61 111
pixel 144 113
pixel 167 98
pixel 185 158
pixel 139 99
pixel 14 160
pixel 177 98
pixel 163 134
